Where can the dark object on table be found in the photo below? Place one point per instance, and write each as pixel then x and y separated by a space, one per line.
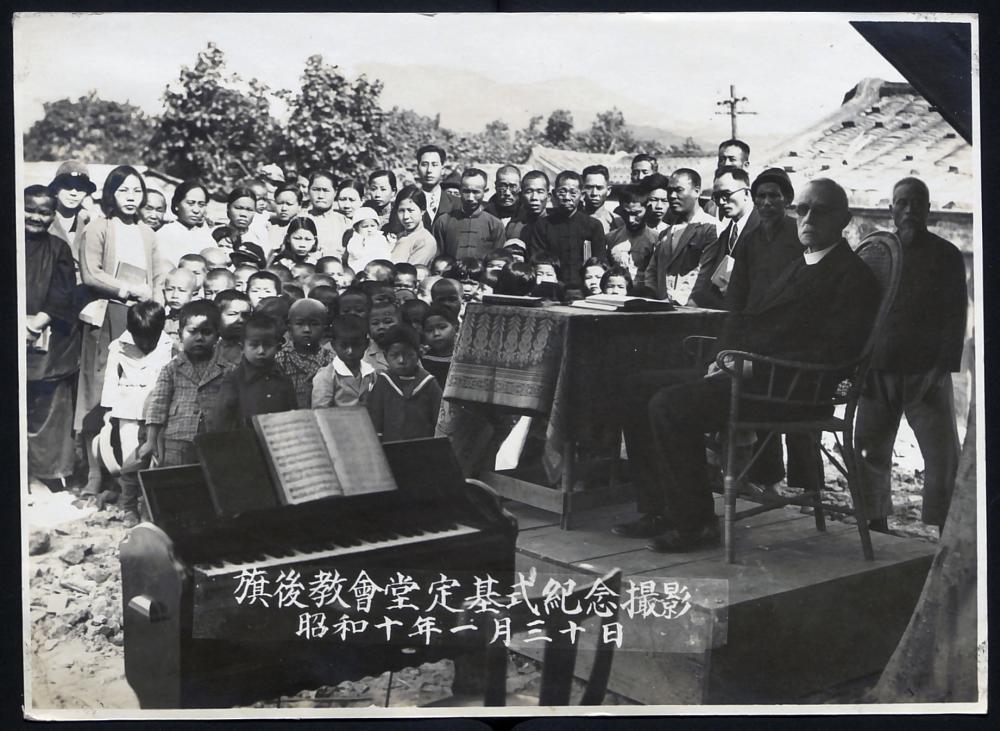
pixel 511 299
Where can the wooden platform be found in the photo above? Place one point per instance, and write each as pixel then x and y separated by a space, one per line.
pixel 805 611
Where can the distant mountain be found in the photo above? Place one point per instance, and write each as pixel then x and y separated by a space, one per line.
pixel 665 137
pixel 468 100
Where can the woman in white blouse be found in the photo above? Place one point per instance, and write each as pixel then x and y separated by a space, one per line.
pixel 189 234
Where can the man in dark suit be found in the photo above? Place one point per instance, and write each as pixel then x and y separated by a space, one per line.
pixel 913 362
pixel 731 191
pixel 680 246
pixel 820 309
pixel 770 248
pixel 430 169
pixel 567 233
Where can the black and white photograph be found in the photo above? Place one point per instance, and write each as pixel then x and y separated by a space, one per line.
pixel 495 364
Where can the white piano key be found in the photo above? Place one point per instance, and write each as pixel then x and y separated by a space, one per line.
pixel 332 550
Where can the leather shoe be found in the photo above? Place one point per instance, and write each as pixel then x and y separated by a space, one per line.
pixel 677 541
pixel 645 527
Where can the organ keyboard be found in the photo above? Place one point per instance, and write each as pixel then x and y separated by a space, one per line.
pixel 190 644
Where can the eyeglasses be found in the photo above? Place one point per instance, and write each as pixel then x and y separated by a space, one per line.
pixel 721 196
pixel 512 187
pixel 804 209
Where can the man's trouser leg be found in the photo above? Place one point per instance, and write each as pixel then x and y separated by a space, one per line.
pixel 879 411
pixel 931 415
pixel 643 456
pixel 805 462
pixel 679 416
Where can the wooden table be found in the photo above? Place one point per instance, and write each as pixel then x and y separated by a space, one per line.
pixel 566 363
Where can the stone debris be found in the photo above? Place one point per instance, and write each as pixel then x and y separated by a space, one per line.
pixel 75 599
pixel 75 554
pixel 39 542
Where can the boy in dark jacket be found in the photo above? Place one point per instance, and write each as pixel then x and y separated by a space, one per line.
pixel 256 385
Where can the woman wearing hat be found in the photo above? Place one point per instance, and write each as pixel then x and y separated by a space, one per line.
pixel 71 186
pixel 120 263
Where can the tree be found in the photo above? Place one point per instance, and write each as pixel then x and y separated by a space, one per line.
pixel 688 148
pixel 559 128
pixel 608 134
pixel 91 129
pixel 214 127
pixel 407 131
pixel 336 125
pixel 525 139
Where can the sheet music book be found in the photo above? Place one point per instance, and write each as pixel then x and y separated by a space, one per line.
pixel 314 454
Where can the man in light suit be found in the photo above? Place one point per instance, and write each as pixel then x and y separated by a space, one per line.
pixel 731 192
pixel 820 309
pixel 680 246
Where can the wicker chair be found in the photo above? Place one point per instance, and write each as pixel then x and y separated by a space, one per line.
pixel 803 388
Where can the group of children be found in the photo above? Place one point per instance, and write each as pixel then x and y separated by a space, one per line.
pixel 315 293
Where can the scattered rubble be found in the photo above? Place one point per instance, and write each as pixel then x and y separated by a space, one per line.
pixel 39 542
pixel 75 606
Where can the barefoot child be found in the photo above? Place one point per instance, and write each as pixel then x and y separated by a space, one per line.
pixel 134 362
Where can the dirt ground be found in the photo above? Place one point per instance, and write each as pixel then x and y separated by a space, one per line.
pixel 75 613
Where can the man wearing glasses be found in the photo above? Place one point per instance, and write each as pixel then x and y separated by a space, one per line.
pixel 820 309
pixel 566 233
pixel 504 203
pixel 731 192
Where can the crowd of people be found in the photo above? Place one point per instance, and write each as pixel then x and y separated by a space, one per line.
pixel 147 324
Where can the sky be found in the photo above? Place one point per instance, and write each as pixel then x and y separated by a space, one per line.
pixel 660 69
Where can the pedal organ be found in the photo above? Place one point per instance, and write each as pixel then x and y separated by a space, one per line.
pixel 189 644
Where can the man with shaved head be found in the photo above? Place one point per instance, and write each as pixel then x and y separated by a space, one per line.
pixel 504 202
pixel 680 246
pixel 913 362
pixel 820 310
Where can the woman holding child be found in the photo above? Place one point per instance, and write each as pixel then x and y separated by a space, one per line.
pixel 121 264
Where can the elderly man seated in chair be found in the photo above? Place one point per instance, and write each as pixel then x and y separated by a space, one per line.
pixel 820 309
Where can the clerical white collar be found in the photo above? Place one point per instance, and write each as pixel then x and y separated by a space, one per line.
pixel 815 257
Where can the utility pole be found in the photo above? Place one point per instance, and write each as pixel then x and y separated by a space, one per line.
pixel 732 110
